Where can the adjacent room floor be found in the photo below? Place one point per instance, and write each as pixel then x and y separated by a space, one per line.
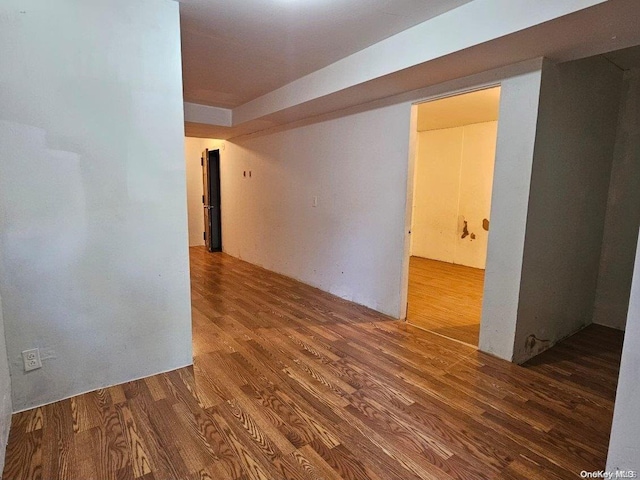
pixel 445 298
pixel 289 382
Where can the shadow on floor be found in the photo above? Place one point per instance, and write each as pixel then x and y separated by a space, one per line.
pixel 589 359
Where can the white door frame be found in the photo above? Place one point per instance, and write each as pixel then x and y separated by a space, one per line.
pixel 413 141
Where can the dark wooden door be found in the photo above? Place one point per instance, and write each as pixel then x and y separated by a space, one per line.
pixel 211 200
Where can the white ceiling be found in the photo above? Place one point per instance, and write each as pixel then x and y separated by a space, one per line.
pixel 457 111
pixel 444 54
pixel 236 50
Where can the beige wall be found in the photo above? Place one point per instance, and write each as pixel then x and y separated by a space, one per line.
pixel 453 180
pixel 623 213
pixel 193 148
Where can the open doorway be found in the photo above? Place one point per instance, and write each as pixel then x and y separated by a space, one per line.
pixel 450 219
pixel 211 200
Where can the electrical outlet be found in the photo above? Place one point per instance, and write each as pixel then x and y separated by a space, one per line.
pixel 31 359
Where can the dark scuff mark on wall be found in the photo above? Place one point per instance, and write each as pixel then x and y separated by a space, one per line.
pixel 533 344
pixel 465 230
pixel 485 224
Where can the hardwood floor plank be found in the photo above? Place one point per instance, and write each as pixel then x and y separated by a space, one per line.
pixel 242 451
pixel 140 460
pixel 445 298
pixel 24 456
pixel 316 465
pixel 117 395
pixel 57 458
pixel 35 420
pixel 225 461
pixel 292 426
pixel 116 444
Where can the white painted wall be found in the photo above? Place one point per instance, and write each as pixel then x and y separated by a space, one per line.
pixel 351 244
pixel 575 138
pixel 193 148
pixel 519 98
pixel 454 175
pixel 436 194
pixel 623 213
pixel 5 393
pixel 93 232
pixel 356 165
pixel 624 449
pixel 476 180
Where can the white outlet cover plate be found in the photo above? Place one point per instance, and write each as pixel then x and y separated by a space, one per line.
pixel 31 359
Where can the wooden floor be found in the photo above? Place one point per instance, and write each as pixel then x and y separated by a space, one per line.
pixel 293 383
pixel 445 298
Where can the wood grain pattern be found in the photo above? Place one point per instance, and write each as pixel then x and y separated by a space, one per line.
pixel 445 298
pixel 292 383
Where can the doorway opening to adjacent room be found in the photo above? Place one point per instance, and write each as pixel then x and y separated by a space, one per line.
pixel 211 200
pixel 450 185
